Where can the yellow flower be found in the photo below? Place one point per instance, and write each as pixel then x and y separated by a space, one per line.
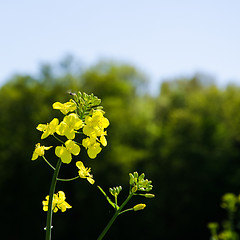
pixel 92 146
pixel 54 203
pixel 84 172
pixel 95 124
pixel 65 107
pixel 68 126
pixel 49 128
pixel 58 202
pixel 61 203
pixel 39 151
pixel 138 207
pixel 94 129
pixel 65 153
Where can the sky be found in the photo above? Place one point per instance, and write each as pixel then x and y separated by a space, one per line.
pixel 164 39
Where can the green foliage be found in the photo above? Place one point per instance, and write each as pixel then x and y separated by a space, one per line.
pixel 230 202
pixel 187 140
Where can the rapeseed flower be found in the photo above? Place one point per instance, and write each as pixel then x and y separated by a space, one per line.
pixel 39 151
pixel 58 202
pixel 84 172
pixel 49 128
pixel 65 153
pixel 54 203
pixel 92 146
pixel 68 126
pixel 95 124
pixel 65 107
pixel 94 129
pixel 61 203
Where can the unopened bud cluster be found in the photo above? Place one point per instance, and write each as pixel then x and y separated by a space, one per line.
pixel 138 183
pixel 115 190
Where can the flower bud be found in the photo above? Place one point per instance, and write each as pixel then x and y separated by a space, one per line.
pixel 134 189
pixel 149 195
pixel 138 207
pixel 131 180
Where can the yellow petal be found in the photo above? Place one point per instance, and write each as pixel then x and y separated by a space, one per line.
pixel 42 127
pixel 75 150
pixel 79 164
pixel 45 208
pixel 90 180
pixel 53 124
pixel 61 128
pixel 61 196
pixel 88 120
pixel 105 122
pixel 46 148
pixel 57 105
pixel 55 209
pixel 45 134
pixel 34 156
pixel 86 142
pixel 103 140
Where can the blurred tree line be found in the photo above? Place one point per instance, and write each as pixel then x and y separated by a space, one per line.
pixel 186 140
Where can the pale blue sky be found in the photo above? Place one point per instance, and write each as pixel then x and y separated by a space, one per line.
pixel 164 39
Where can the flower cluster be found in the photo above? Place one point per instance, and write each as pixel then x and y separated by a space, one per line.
pixel 93 125
pixel 58 202
pixel 94 129
pixel 139 183
pixel 82 117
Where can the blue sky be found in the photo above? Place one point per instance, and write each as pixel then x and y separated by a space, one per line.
pixel 165 39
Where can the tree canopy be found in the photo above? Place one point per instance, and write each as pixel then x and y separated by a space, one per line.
pixel 186 140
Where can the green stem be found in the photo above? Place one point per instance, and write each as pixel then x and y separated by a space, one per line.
pixel 52 189
pixel 105 230
pixel 67 180
pixel 48 163
pixel 127 210
pixel 58 139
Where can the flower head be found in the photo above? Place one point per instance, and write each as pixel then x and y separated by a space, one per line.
pixel 61 203
pixel 65 153
pixel 84 172
pixel 68 126
pixel 65 107
pixel 39 151
pixel 49 128
pixel 92 146
pixel 95 124
pixel 94 129
pixel 58 202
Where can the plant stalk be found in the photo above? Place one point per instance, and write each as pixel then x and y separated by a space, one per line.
pixel 51 192
pixel 105 230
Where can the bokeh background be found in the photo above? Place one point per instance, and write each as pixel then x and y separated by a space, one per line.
pixel 168 76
